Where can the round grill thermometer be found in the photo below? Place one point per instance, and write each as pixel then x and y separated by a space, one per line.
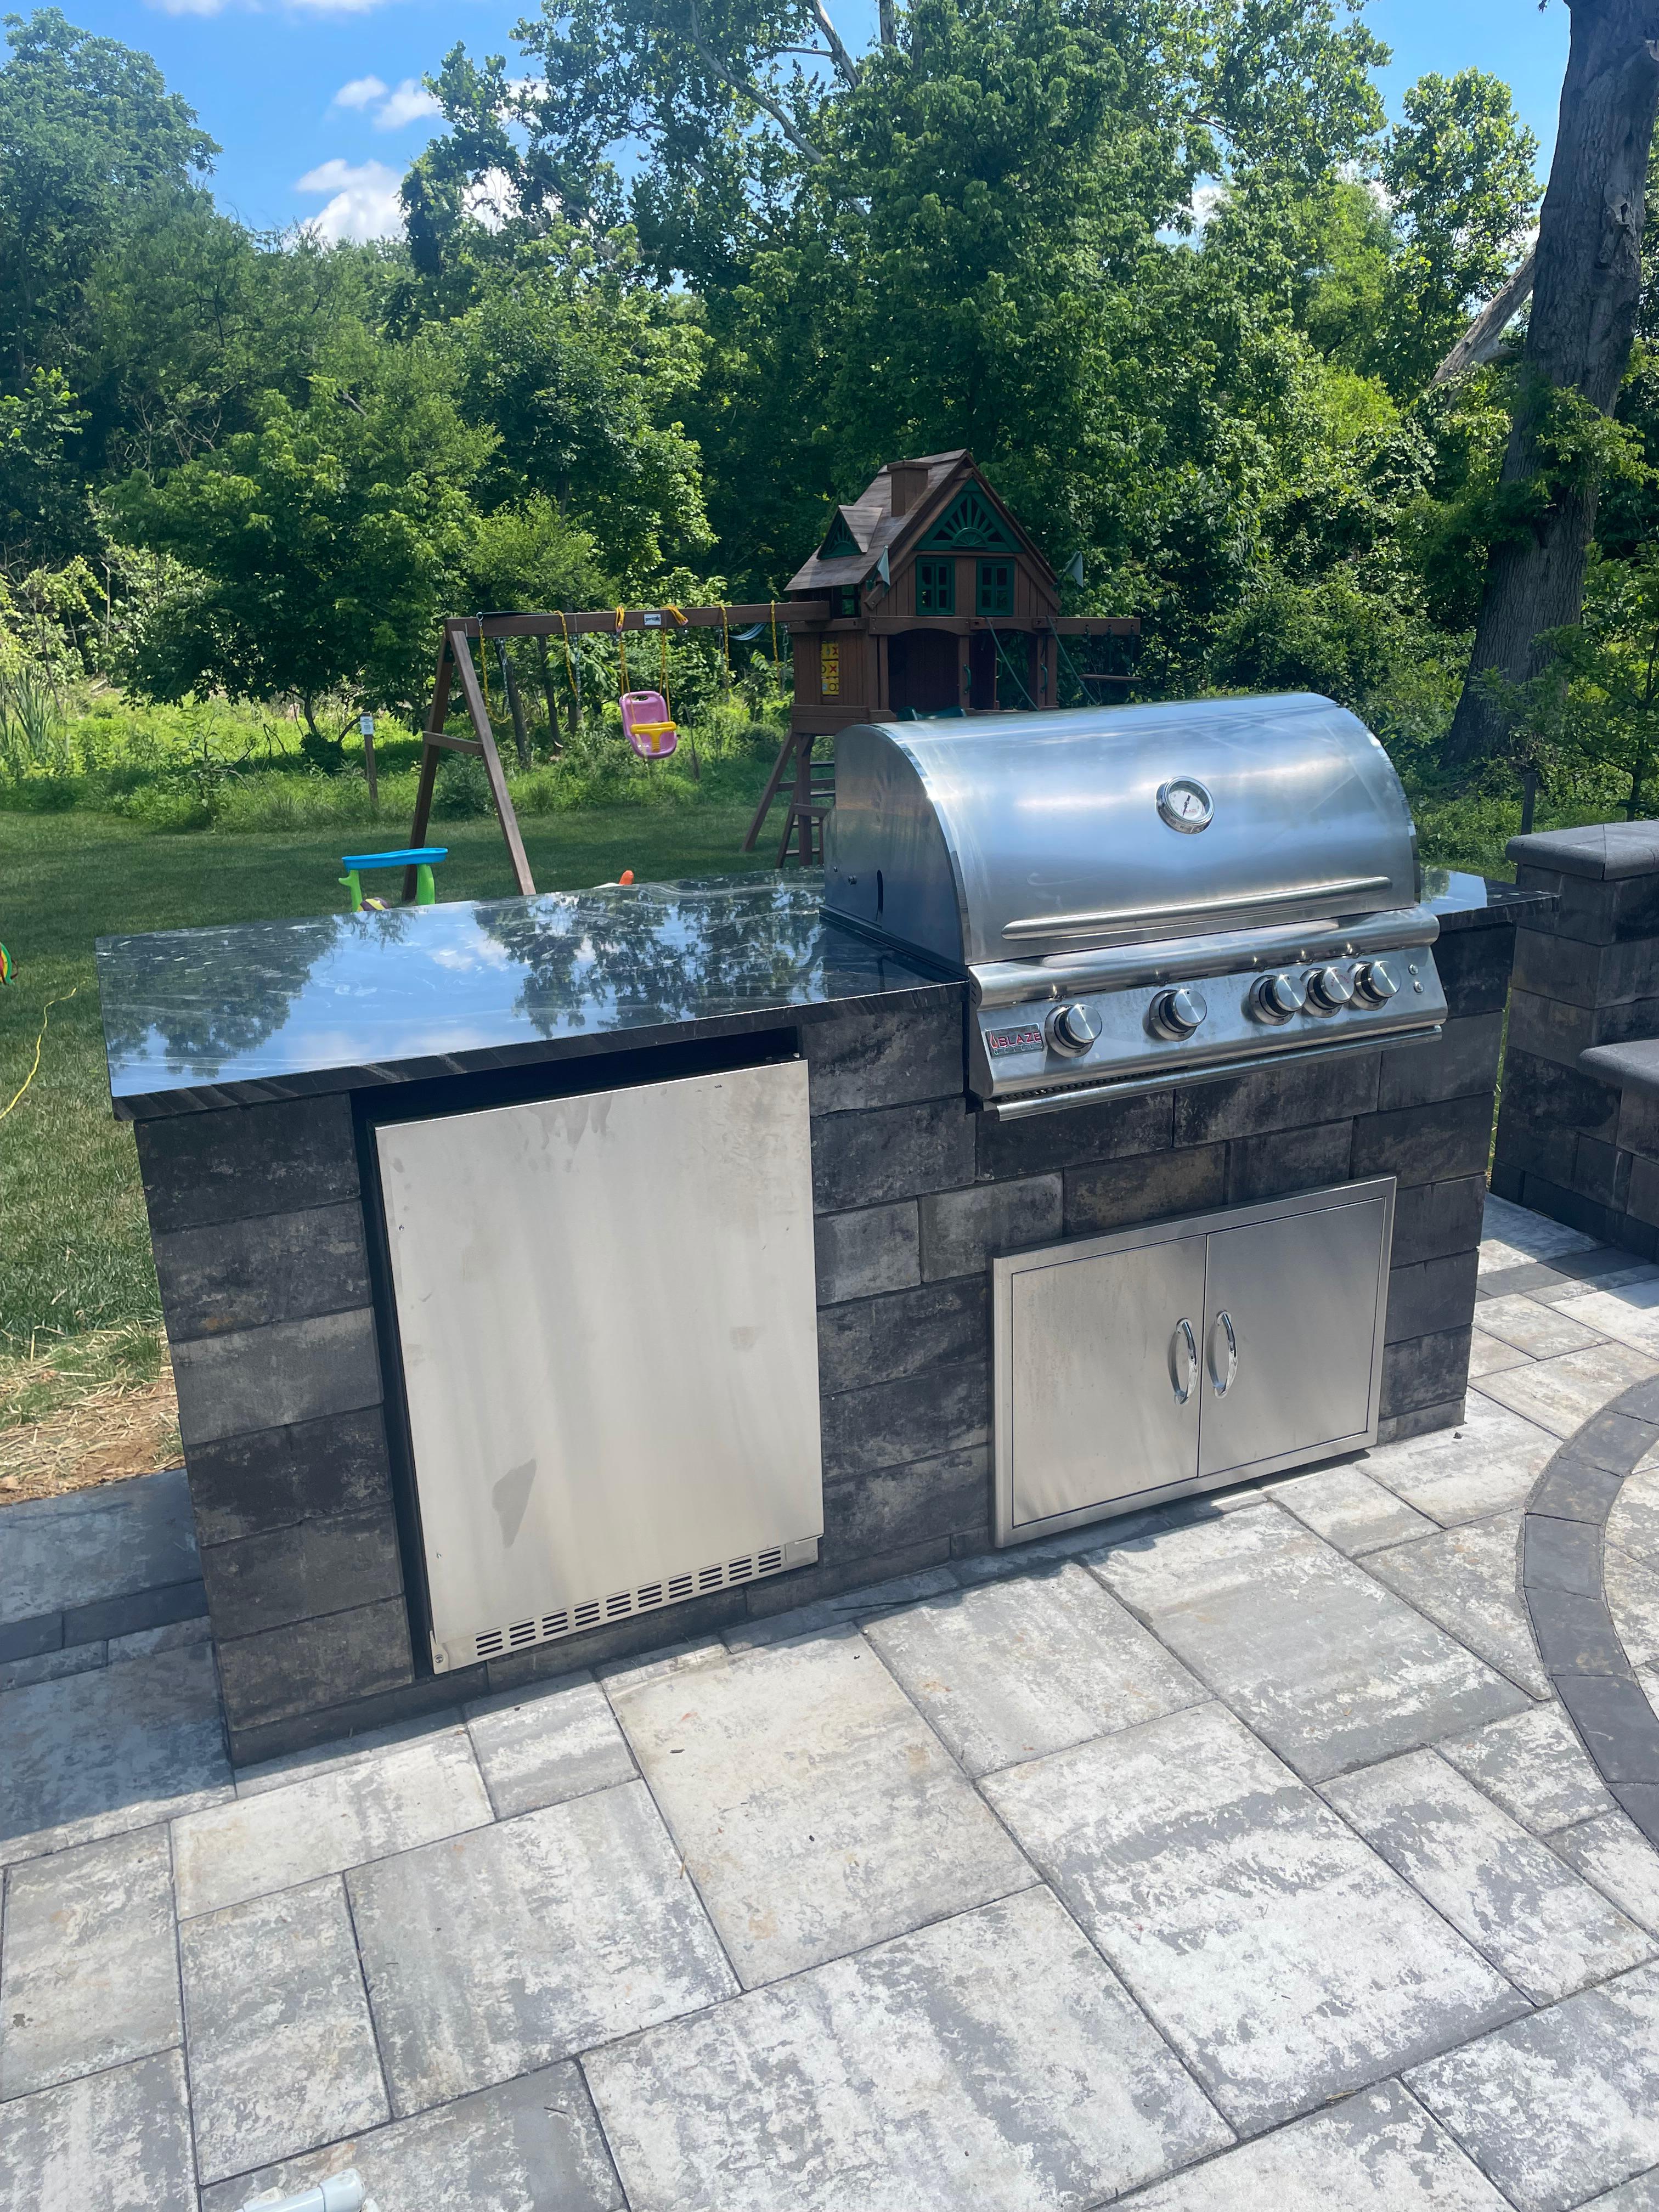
pixel 1185 805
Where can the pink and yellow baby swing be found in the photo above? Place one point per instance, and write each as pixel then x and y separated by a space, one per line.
pixel 646 722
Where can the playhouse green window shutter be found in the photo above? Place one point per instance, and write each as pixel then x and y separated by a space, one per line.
pixel 936 587
pixel 840 544
pixel 996 588
pixel 970 521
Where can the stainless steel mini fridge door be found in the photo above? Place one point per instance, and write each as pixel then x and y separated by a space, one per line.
pixel 605 1307
pixel 1097 1378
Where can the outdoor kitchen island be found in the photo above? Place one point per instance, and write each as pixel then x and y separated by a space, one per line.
pixel 355 1132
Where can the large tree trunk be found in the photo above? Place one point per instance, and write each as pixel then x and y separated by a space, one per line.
pixel 1584 296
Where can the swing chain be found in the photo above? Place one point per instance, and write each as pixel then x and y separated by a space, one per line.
pixel 569 665
pixel 484 671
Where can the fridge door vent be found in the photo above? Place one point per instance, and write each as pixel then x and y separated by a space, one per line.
pixel 496 1643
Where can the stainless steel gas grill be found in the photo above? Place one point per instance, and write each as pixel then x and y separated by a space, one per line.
pixel 1142 895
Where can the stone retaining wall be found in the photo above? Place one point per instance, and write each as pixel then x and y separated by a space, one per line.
pixel 1573 1141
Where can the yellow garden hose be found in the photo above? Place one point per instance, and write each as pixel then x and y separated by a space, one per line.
pixel 46 1016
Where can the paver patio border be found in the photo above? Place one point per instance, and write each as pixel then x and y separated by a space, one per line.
pixel 1563 1582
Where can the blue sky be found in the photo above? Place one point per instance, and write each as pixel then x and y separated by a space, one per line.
pixel 318 104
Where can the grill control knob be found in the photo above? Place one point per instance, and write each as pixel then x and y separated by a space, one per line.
pixel 1177 1013
pixel 1329 989
pixel 1277 997
pixel 1376 982
pixel 1074 1028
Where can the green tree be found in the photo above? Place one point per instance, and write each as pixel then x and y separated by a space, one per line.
pixel 42 508
pixel 583 372
pixel 318 552
pixel 1586 293
pixel 723 110
pixel 87 128
pixel 1460 176
pixel 1593 710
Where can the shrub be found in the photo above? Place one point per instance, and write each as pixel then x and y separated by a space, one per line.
pixel 462 794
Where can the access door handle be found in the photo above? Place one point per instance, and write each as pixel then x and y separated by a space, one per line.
pixel 1219 1382
pixel 1183 1340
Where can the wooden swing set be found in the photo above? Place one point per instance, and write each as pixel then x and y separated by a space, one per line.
pixel 648 728
pixel 926 597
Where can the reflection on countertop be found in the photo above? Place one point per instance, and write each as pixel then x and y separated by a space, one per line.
pixel 262 1009
pixel 1465 901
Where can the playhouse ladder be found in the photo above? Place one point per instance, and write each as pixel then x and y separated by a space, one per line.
pixel 808 790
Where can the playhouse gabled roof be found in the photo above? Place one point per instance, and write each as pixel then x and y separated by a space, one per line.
pixel 873 528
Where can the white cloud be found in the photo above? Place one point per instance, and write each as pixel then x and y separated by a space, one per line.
pixel 408 104
pixel 188 7
pixel 491 200
pixel 365 203
pixel 333 7
pixel 1207 200
pixel 361 92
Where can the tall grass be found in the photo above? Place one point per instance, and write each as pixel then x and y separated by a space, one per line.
pixel 209 766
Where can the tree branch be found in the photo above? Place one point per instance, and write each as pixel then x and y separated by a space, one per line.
pixel 845 65
pixel 748 90
pixel 1480 342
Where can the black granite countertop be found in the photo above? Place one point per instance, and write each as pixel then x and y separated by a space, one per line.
pixel 197 1018
pixel 1463 901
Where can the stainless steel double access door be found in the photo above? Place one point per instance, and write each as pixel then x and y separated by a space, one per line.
pixel 1187 1354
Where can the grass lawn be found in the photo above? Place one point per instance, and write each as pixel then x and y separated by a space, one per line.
pixel 75 1260
pixel 74 1248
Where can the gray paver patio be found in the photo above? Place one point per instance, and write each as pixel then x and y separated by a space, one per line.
pixel 1490 1355
pixel 1350 1508
pixel 1611 1852
pixel 1582 2081
pixel 532 2145
pixel 513 1946
pixel 62 1552
pixel 1379 2148
pixel 89 1976
pixel 1464 1579
pixel 1013 1669
pixel 539 1750
pixel 1514 1899
pixel 340 1818
pixel 816 1811
pixel 116 2142
pixel 1329 1666
pixel 1024 1881
pixel 1632 1591
pixel 1535 1767
pixel 1283 1960
pixel 1487 1464
pixel 116 1749
pixel 1633 1523
pixel 991 2060
pixel 282 2054
pixel 1561 1394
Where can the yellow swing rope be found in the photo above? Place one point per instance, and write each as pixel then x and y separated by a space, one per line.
pixel 621 645
pixel 726 646
pixel 46 1016
pixel 569 665
pixel 777 663
pixel 662 636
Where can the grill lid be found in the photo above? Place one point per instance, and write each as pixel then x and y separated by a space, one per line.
pixel 1027 836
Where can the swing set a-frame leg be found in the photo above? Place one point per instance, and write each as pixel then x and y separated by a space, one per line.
pixel 456 658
